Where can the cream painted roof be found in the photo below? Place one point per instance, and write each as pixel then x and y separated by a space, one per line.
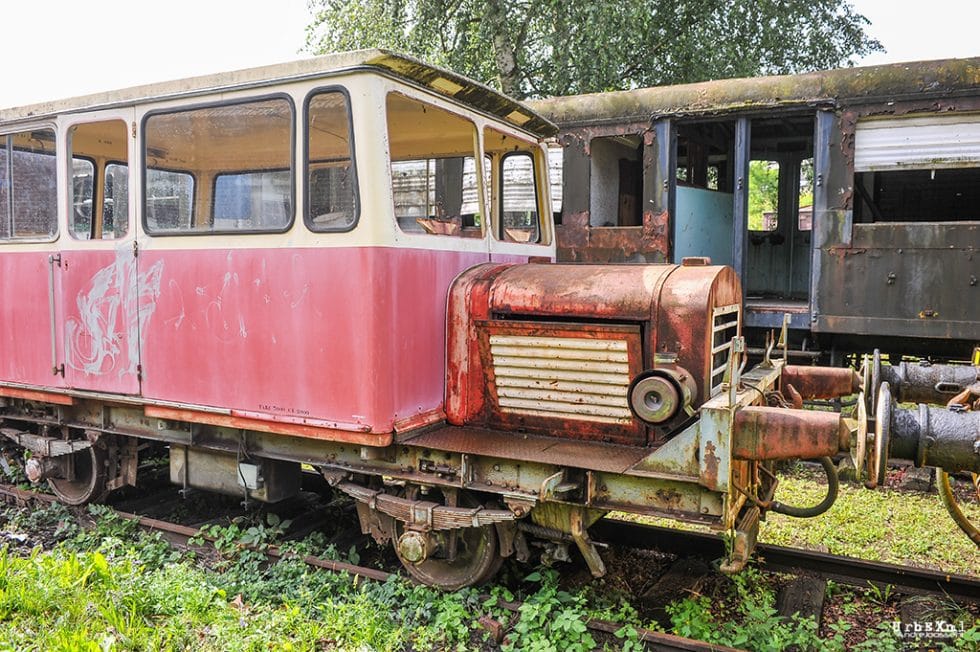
pixel 439 80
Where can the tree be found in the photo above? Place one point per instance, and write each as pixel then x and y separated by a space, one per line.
pixel 557 47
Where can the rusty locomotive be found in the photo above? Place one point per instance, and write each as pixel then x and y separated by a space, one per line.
pixel 348 263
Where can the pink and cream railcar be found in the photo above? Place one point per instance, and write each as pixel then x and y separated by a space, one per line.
pixel 230 250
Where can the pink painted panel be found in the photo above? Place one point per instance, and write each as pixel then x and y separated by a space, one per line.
pixel 353 336
pixel 100 316
pixel 25 322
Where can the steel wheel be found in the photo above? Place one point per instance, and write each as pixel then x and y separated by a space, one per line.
pixel 89 484
pixel 477 556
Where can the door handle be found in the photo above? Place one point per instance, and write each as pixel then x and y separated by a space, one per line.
pixel 56 369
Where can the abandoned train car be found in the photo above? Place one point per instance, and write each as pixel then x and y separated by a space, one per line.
pixel 347 262
pixel 873 240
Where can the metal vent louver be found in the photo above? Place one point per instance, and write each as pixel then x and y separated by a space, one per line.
pixel 562 377
pixel 724 327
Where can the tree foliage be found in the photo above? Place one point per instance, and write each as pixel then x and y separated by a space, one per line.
pixel 555 47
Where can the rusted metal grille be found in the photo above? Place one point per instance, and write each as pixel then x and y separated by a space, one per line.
pixel 558 377
pixel 724 327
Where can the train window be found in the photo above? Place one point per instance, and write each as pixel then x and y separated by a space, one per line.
pixel 933 176
pixel 91 145
pixel 248 144
pixel 556 169
pixel 28 187
pixel 434 177
pixel 252 200
pixel 115 199
pixel 805 203
pixel 519 215
pixel 331 183
pixel 169 200
pixel 616 186
pixel 82 198
pixel 763 195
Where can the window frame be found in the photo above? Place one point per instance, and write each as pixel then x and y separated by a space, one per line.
pixel 52 237
pixel 206 105
pixel 105 177
pixel 96 179
pixel 498 230
pixel 305 200
pixel 478 151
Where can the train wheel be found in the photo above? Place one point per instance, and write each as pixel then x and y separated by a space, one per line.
pixel 89 484
pixel 476 559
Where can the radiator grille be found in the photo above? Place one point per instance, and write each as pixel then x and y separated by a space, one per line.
pixel 562 377
pixel 724 327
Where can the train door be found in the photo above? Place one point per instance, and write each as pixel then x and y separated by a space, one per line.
pixel 775 221
pixel 703 223
pixel 29 339
pixel 100 296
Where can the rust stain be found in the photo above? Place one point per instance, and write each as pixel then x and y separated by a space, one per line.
pixel 261 425
pixel 766 433
pixel 579 242
pixel 32 395
pixel 670 498
pixel 844 252
pixel 710 471
pixel 820 382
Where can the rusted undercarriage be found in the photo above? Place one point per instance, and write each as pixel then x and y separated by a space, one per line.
pixel 457 499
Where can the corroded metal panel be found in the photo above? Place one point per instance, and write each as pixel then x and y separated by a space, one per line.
pixel 563 379
pixel 611 458
pixel 766 433
pixel 923 278
pixel 821 382
pixel 469 303
pixel 624 293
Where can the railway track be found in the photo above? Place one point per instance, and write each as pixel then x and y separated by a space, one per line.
pixel 846 570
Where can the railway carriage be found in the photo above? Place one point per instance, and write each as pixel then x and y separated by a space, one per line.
pixel 347 263
pixel 872 239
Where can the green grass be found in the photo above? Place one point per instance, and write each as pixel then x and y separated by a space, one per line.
pixel 882 524
pixel 115 588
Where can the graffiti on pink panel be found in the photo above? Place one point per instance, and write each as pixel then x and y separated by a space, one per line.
pixel 112 309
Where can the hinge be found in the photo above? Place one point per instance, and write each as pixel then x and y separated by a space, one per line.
pixel 134 128
pixel 139 373
pixel 59 370
pixel 54 259
pixel 136 249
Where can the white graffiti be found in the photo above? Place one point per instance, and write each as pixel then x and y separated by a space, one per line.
pixel 112 311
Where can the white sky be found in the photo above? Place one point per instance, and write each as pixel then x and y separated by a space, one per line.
pixel 59 48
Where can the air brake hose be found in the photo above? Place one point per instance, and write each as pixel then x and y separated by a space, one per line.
pixel 949 500
pixel 809 512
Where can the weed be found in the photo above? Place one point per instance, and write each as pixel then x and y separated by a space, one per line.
pixel 880 595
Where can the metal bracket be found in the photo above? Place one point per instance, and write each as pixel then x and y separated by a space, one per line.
pixel 45 446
